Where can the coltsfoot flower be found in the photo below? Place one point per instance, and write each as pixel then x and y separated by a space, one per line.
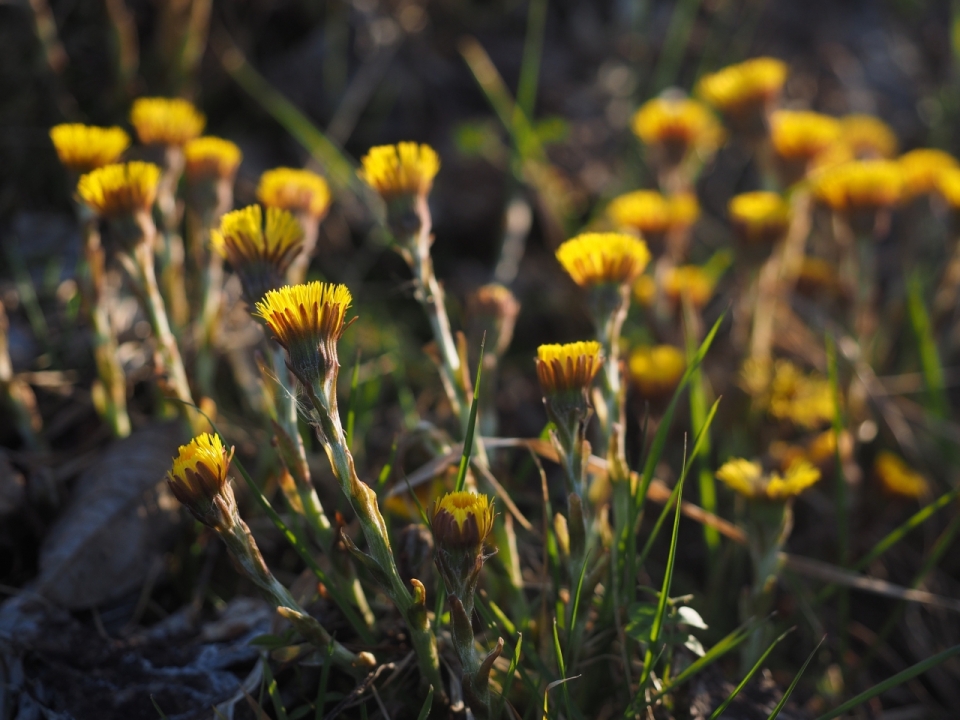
pixel 898 478
pixel 860 185
pixel 747 478
pixel 122 189
pixel 805 400
pixel 868 136
pixel 948 185
pixel 211 158
pixel 645 211
pixel 742 92
pixel 82 148
pixel 198 479
pixel 493 310
pixel 404 169
pixel 800 135
pixel 656 370
pixel 677 126
pixel 759 217
pixel 922 168
pixel 568 368
pixel 690 281
pixel 308 321
pixel 166 121
pixel 296 190
pixel 259 252
pixel 462 520
pixel 603 258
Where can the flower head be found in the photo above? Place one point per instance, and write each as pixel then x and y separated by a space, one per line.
pixel 308 320
pixel 684 209
pixel 899 478
pixel 948 185
pixel 690 281
pixel 748 479
pixel 166 121
pixel 860 185
pixel 922 168
pixel 759 217
pixel 657 369
pixel 260 253
pixel 299 191
pixel 198 479
pixel 462 519
pixel 868 136
pixel 493 309
pixel 644 210
pixel 599 258
pixel 566 368
pixel 802 134
pixel 805 400
pixel 679 125
pixel 211 158
pixel 402 169
pixel 119 190
pixel 746 86
pixel 82 148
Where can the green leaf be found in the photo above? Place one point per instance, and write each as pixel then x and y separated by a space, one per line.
pixel 927 345
pixel 756 666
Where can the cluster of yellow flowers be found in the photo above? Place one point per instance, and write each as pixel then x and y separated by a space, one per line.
pixel 747 478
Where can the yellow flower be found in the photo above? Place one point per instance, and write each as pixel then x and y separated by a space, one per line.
pixel 860 185
pixel 868 136
pixel 759 217
pixel 595 258
pixel 211 158
pixel 750 83
pixel 402 169
pixel 566 368
pixel 690 281
pixel 645 290
pixel 656 370
pixel 198 479
pixel 948 184
pixel 922 168
pixel 804 400
pixel 462 519
pixel 899 478
pixel 114 191
pixel 748 479
pixel 801 134
pixel 645 210
pixel 294 190
pixel 308 320
pixel 259 253
pixel 82 148
pixel 684 209
pixel 166 121
pixel 679 124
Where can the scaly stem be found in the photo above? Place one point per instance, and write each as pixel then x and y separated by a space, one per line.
pixel 609 305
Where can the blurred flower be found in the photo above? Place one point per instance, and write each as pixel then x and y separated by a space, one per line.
pixel 299 191
pixel 600 258
pixel 645 290
pixel 860 185
pixel 820 451
pixel 684 209
pixel 948 184
pixel 308 321
pixel 759 217
pixel 493 310
pixel 690 281
pixel 868 136
pixel 802 134
pixel 899 478
pixel 657 369
pixel 646 211
pixel 402 169
pixel 568 368
pixel 259 253
pixel 82 148
pixel 198 479
pixel 748 479
pixel 922 168
pixel 166 121
pixel 804 400
pixel 677 126
pixel 462 520
pixel 817 276
pixel 119 190
pixel 211 158
pixel 742 92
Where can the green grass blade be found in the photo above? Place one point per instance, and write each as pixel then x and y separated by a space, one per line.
pixel 698 445
pixel 756 666
pixel 273 691
pixel 324 683
pixel 427 705
pixel 793 684
pixel 352 405
pixel 508 679
pixel 532 55
pixel 892 682
pixel 471 425
pixel 927 346
pixel 156 707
